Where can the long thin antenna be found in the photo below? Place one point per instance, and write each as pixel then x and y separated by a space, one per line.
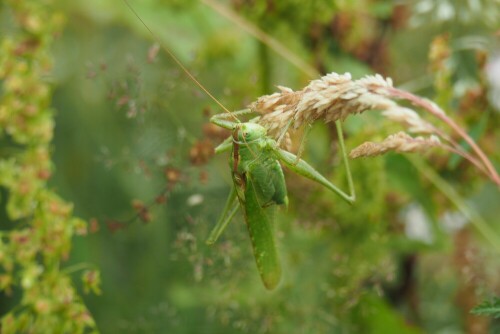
pixel 177 61
pixel 180 64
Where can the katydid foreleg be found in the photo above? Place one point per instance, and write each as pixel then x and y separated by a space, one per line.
pixel 223 119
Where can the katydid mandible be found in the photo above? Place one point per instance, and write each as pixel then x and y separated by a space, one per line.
pixel 259 185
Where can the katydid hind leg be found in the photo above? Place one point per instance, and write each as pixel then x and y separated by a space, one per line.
pixel 301 167
pixel 345 160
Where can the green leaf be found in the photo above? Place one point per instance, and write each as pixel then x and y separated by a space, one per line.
pixel 488 307
pixel 385 319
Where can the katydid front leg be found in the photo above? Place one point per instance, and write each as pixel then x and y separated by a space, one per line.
pixel 223 121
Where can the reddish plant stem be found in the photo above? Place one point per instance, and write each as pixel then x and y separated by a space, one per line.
pixel 468 157
pixel 433 109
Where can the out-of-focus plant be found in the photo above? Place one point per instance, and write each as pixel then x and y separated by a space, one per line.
pixel 406 258
pixel 488 307
pixel 37 225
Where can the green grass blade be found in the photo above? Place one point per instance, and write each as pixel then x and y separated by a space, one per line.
pixel 488 308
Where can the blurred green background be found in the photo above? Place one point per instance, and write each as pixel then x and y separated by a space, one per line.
pixel 130 127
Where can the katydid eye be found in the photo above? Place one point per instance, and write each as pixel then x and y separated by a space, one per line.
pixel 245 134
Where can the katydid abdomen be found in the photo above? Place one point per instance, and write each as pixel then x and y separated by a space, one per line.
pixel 260 226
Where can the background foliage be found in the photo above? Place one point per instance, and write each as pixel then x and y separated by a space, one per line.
pixel 132 151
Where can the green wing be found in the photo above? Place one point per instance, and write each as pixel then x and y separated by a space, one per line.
pixel 269 182
pixel 260 227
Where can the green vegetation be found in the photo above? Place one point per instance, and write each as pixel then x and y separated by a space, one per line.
pixel 38 226
pixel 491 308
pixel 109 186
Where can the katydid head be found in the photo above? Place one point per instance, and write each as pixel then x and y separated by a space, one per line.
pixel 245 133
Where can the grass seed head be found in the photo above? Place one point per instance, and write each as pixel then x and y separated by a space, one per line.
pixel 400 142
pixel 331 98
pixel 409 119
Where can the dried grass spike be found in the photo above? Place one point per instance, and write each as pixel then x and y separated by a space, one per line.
pixel 409 119
pixel 400 142
pixel 331 98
